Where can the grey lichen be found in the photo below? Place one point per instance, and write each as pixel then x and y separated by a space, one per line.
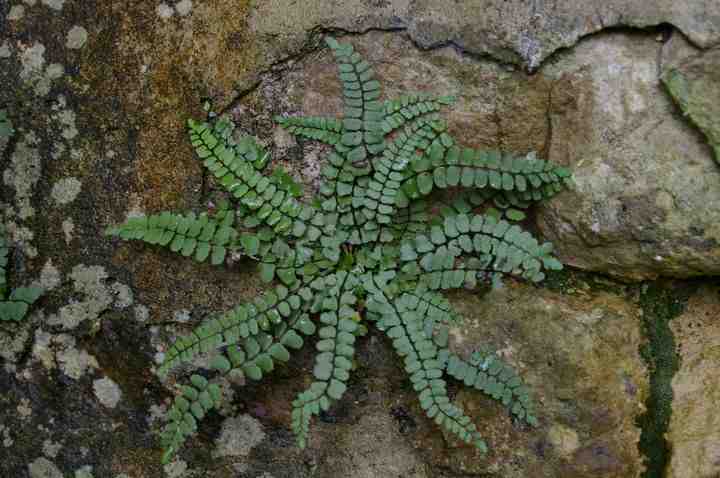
pixel 43 468
pixel 66 190
pixel 91 281
pixel 76 38
pixel 238 437
pixel 107 392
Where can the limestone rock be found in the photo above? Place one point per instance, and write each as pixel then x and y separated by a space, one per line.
pixel 513 31
pixel 646 201
pixel 694 433
pixel 695 87
pixel 579 354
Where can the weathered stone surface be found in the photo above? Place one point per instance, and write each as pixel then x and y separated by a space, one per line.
pixel 693 85
pixel 99 94
pixel 579 353
pixel 516 31
pixel 646 201
pixel 694 433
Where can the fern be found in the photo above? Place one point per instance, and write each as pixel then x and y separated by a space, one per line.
pixel 15 305
pixel 369 250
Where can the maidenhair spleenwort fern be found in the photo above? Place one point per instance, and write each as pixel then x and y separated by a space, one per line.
pixel 370 245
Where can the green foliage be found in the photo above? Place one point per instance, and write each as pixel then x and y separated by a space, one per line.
pixel 6 127
pixel 369 249
pixel 15 306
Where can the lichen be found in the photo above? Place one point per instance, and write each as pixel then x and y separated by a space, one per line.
pixel 107 392
pixel 43 468
pixel 91 281
pixel 66 190
pixel 76 38
pixel 24 173
pixel 239 435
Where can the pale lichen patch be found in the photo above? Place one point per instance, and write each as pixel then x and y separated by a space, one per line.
pixel 44 468
pixel 24 173
pixel 98 297
pixel 24 410
pixel 107 392
pixel 68 228
pixel 54 4
pixel 33 70
pixel 184 7
pixel 175 469
pixel 164 11
pixel 16 13
pixel 239 436
pixel 5 51
pixel 66 190
pixel 50 448
pixel 84 472
pixel 76 37
pixel 50 276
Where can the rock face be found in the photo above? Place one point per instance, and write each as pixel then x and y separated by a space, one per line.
pixel 516 31
pixel 580 353
pixel 691 85
pixel 693 433
pixel 646 202
pixel 98 95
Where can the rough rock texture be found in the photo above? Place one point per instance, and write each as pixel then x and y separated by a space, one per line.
pixel 99 93
pixel 694 428
pixel 579 352
pixel 646 202
pixel 514 31
pixel 691 85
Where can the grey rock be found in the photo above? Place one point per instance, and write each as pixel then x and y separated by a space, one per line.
pixel 647 201
pixel 515 31
pixel 695 87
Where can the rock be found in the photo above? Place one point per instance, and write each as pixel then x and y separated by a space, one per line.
pixel 646 201
pixel 579 353
pixel 100 115
pixel 694 85
pixel 694 432
pixel 373 447
pixel 107 392
pixel 516 31
pixel 44 468
pixel 239 436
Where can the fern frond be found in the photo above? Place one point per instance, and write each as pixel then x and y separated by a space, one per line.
pixel 399 112
pixel 529 179
pixel 6 126
pixel 325 130
pixel 196 400
pixel 380 197
pixel 402 322
pixel 254 356
pixel 501 247
pixel 334 360
pixel 16 306
pixel 489 374
pixel 201 236
pixel 270 202
pixel 246 320
pixel 19 302
pixel 363 115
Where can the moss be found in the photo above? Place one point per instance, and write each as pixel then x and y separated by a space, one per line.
pixel 661 302
pixel 574 281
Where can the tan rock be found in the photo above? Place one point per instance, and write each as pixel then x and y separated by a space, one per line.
pixel 694 433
